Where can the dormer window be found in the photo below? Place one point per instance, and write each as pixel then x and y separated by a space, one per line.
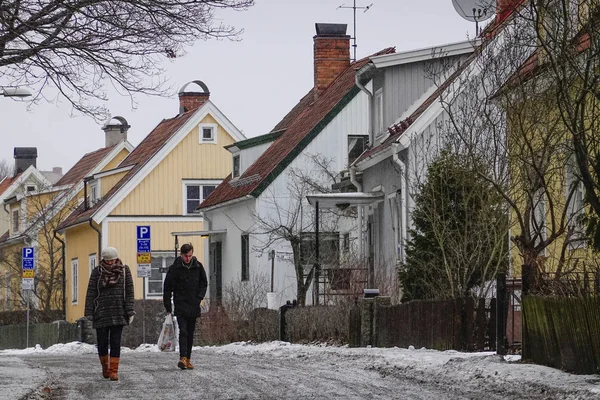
pixel 357 144
pixel 94 193
pixel 208 133
pixel 236 166
pixel 378 112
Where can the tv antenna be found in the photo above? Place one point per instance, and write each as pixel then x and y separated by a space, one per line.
pixel 475 10
pixel 354 8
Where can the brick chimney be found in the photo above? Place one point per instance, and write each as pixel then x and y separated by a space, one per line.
pixel 331 54
pixel 115 131
pixel 190 101
pixel 24 158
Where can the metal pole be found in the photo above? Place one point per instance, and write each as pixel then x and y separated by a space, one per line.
pixel 354 27
pixel 272 268
pixel 317 265
pixel 144 312
pixel 27 343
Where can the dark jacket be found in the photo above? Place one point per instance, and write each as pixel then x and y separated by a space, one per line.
pixel 188 287
pixel 112 305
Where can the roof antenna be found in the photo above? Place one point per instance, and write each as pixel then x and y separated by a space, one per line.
pixel 354 8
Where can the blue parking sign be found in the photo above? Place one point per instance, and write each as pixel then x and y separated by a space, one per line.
pixel 143 232
pixel 28 258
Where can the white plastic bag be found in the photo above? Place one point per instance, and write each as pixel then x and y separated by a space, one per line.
pixel 168 338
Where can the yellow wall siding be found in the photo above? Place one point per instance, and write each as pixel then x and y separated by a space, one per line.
pixel 107 182
pixel 160 193
pixel 117 160
pixel 122 235
pixel 81 241
pixel 10 261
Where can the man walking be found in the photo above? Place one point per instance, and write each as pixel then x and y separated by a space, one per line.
pixel 186 282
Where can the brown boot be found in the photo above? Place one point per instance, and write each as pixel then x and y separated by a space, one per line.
pixel 105 360
pixel 182 364
pixel 188 364
pixel 114 369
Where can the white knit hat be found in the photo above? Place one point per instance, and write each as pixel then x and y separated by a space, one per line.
pixel 109 253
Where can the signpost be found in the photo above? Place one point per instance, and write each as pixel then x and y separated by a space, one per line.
pixel 27 281
pixel 144 265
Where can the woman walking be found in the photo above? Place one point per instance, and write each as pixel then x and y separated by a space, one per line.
pixel 109 305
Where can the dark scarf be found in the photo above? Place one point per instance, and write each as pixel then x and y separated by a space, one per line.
pixel 109 274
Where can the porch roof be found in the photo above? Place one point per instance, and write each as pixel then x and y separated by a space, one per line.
pixel 344 200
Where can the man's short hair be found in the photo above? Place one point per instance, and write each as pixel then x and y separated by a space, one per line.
pixel 186 248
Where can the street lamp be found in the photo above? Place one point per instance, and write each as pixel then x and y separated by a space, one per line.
pixel 15 92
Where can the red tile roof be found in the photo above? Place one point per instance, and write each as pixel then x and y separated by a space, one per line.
pixel 301 124
pixel 138 157
pixel 83 167
pixel 6 182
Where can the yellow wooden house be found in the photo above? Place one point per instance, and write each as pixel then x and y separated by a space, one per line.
pixel 34 214
pixel 160 184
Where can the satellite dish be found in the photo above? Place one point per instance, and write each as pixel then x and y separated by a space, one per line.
pixel 475 10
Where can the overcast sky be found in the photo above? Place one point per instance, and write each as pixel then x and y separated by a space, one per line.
pixel 255 81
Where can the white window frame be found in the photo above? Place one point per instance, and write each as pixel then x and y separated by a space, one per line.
pixel 353 136
pixel 378 111
pixel 92 259
pixel 195 182
pixel 94 192
pixel 239 171
pixel 30 188
pixel 74 281
pixel 163 255
pixel 201 128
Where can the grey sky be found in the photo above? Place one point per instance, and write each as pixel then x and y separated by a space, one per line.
pixel 254 81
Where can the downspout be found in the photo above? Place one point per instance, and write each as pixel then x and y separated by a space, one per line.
pixel 361 250
pixel 64 275
pixel 395 150
pixel 91 221
pixel 369 102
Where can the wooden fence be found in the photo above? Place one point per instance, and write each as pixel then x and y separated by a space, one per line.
pixel 435 324
pixel 562 332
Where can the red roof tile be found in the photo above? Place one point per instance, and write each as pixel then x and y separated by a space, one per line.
pixel 138 157
pixel 301 125
pixel 83 167
pixel 6 182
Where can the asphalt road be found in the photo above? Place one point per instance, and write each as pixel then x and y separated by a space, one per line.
pixel 218 375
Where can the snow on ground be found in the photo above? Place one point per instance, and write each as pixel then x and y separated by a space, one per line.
pixel 453 365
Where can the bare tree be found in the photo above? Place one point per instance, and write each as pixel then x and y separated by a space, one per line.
pixel 78 46
pixel 568 36
pixel 46 209
pixel 242 297
pixel 6 169
pixel 291 219
pixel 506 116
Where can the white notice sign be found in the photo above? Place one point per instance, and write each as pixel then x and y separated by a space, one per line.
pixel 144 270
pixel 27 283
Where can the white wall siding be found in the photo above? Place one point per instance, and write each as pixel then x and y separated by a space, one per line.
pixel 250 155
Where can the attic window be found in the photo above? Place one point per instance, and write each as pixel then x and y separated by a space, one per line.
pixel 30 188
pixel 236 166
pixel 208 133
pixel 94 194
